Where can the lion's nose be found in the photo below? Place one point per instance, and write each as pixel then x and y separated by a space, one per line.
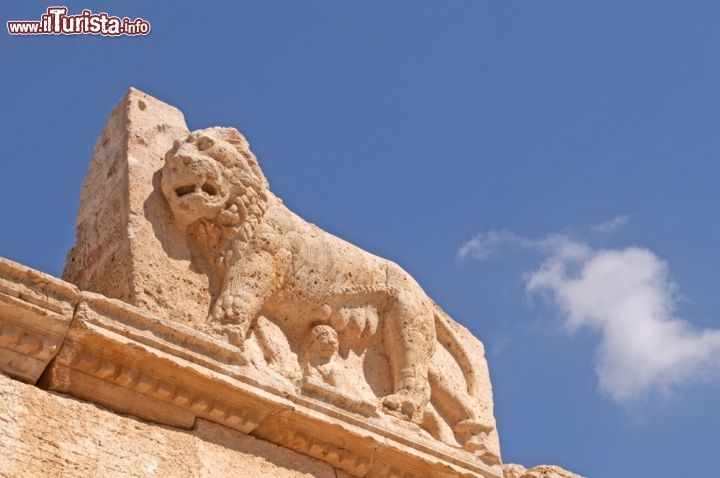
pixel 187 160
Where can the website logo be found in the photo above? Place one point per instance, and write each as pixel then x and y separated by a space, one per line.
pixel 57 22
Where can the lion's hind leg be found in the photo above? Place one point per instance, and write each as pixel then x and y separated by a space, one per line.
pixel 409 339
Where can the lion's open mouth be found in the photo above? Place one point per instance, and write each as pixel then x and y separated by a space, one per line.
pixel 207 188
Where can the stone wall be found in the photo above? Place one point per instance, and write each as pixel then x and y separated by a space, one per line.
pixel 50 434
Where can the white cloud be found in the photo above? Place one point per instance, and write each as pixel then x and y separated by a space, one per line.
pixel 486 245
pixel 612 225
pixel 627 297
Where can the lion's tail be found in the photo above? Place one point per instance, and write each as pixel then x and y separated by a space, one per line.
pixel 449 334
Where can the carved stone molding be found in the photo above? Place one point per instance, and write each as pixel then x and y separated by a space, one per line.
pixel 136 363
pixel 35 313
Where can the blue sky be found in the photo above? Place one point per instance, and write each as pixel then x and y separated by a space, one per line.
pixel 547 170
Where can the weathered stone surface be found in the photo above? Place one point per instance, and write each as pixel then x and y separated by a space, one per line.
pixel 200 239
pixel 35 313
pixel 233 318
pixel 47 434
pixel 127 245
pixel 390 343
pixel 511 470
pixel 136 363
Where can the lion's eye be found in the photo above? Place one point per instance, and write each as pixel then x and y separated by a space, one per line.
pixel 204 143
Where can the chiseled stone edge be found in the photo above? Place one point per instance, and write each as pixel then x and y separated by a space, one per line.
pixel 183 342
pixel 35 313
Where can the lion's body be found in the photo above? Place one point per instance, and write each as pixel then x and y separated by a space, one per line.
pixel 316 266
pixel 266 260
pixel 292 269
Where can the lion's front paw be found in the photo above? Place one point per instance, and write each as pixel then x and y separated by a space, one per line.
pixel 228 309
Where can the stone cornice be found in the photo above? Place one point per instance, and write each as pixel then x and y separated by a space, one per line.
pixel 134 362
pixel 35 313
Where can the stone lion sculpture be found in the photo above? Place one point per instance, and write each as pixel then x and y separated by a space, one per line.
pixel 263 260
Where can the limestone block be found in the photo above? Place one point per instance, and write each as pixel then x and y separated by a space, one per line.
pixel 35 313
pixel 48 434
pixel 127 246
pixel 137 363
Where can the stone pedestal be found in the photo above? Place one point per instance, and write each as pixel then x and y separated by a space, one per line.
pixel 127 245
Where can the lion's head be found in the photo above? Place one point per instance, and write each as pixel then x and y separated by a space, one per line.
pixel 212 176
